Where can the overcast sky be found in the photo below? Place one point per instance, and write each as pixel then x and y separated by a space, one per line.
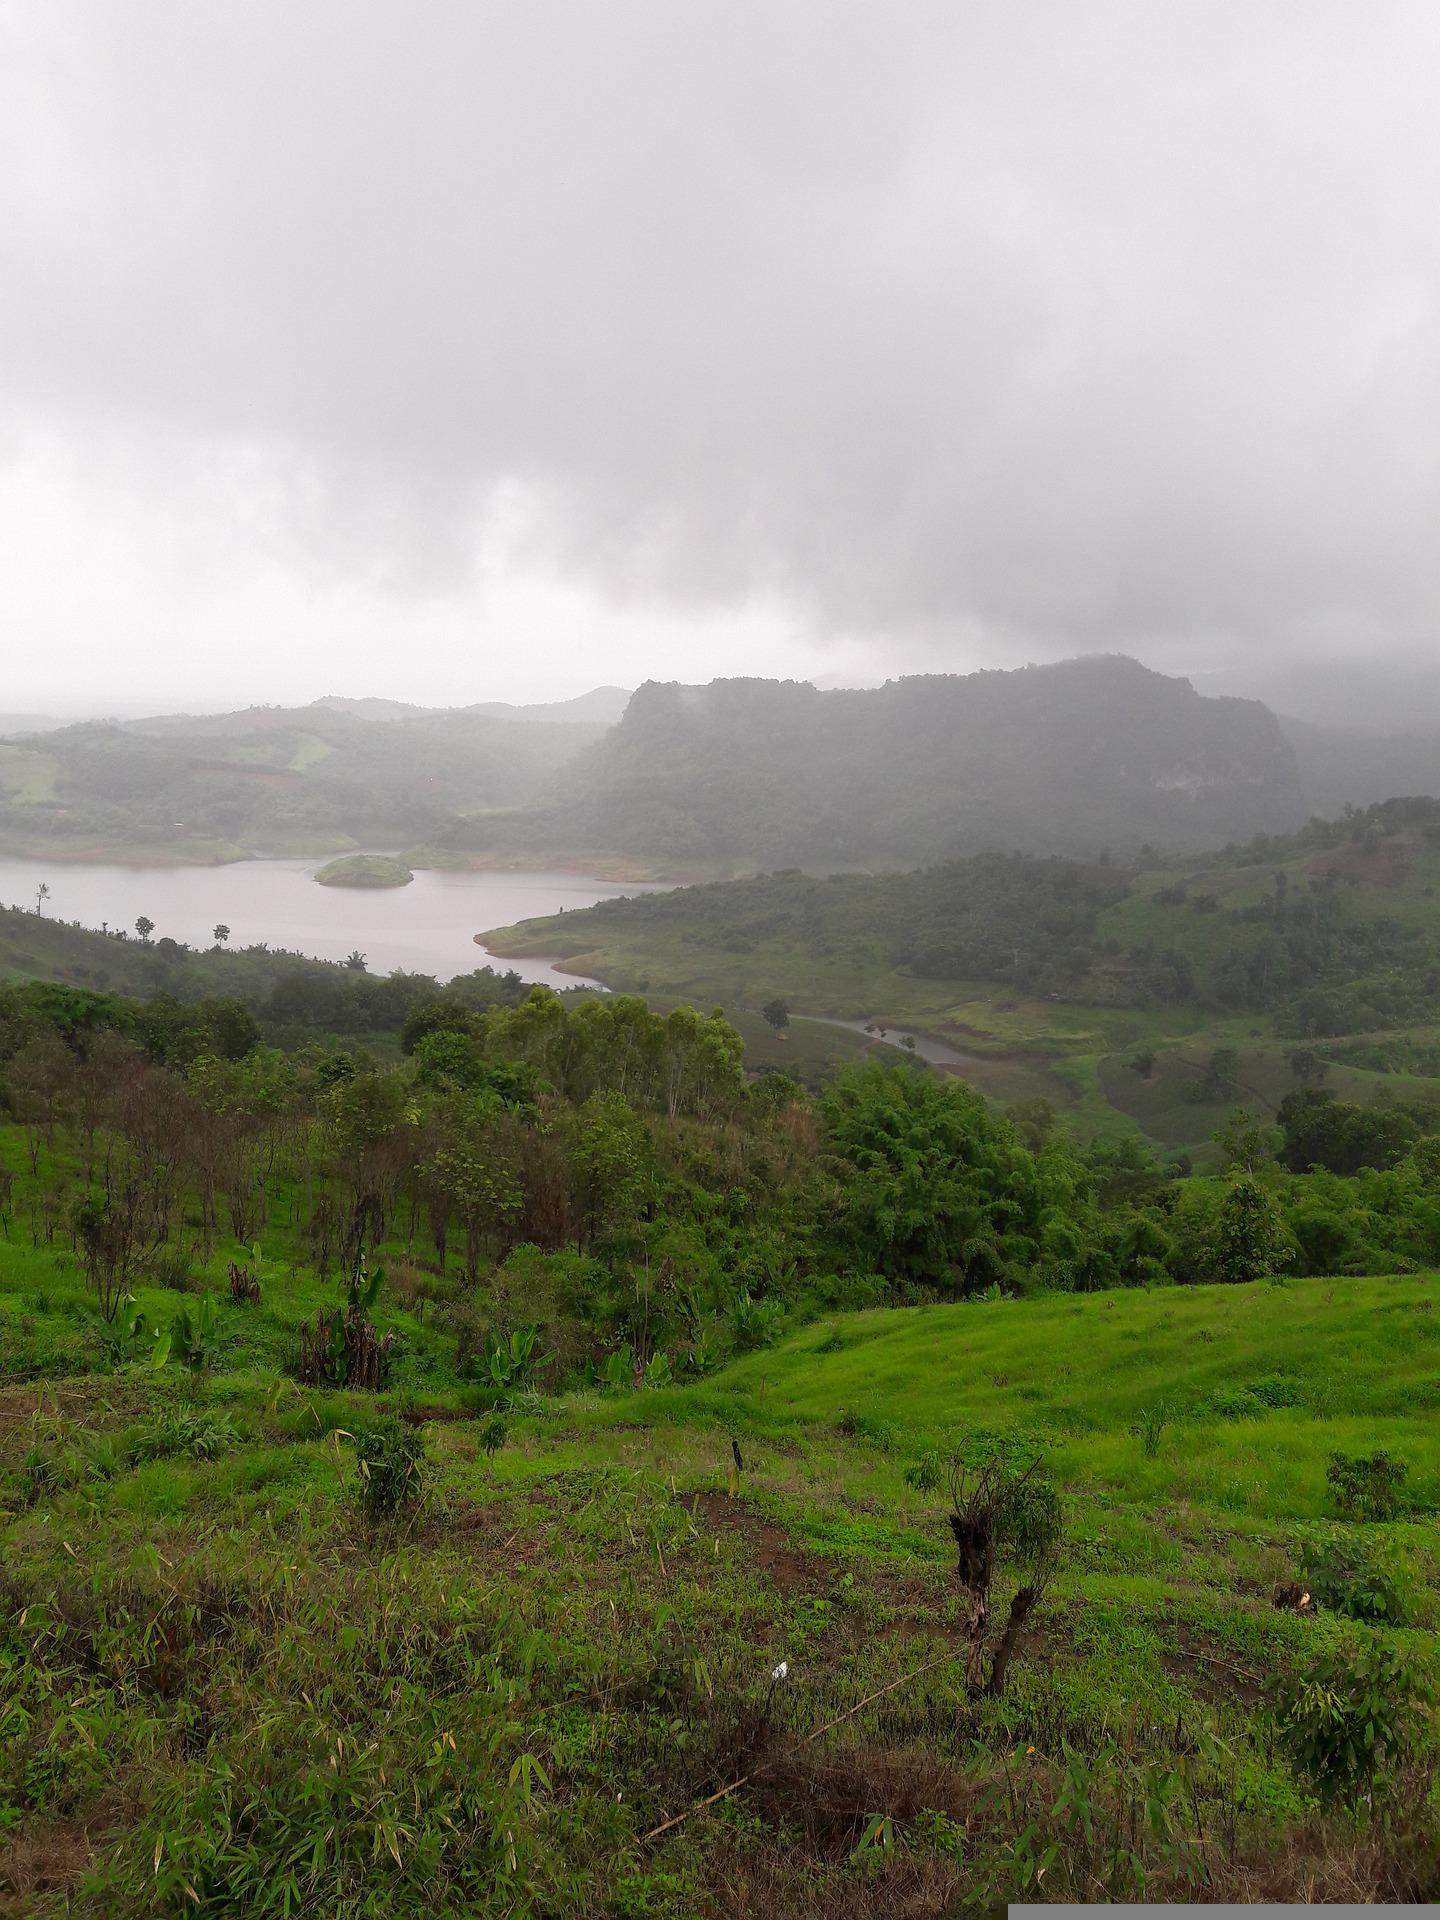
pixel 463 351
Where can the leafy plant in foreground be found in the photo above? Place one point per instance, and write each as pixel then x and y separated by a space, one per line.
pixel 1350 1577
pixel 1354 1721
pixel 192 1334
pixel 393 1467
pixel 1151 1425
pixel 341 1348
pixel 511 1359
pixel 201 1435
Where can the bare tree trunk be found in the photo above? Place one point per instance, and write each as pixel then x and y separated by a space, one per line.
pixel 1021 1608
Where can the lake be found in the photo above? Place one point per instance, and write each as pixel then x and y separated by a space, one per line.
pixel 427 927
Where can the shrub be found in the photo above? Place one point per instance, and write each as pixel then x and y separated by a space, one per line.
pixel 753 1323
pixel 1351 1578
pixel 393 1467
pixel 1028 1515
pixel 1001 1515
pixel 1277 1390
pixel 203 1436
pixel 1367 1486
pixel 1151 1425
pixel 1253 1401
pixel 1356 1718
pixel 171 1268
pixel 927 1473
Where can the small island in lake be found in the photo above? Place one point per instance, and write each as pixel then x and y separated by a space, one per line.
pixel 365 870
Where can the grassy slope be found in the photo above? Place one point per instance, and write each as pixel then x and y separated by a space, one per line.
pixel 1360 1359
pixel 606 1539
pixel 306 780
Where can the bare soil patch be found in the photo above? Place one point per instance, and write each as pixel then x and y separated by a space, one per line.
pixel 769 1548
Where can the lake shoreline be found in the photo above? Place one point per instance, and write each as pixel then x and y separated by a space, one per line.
pixel 612 869
pixel 426 927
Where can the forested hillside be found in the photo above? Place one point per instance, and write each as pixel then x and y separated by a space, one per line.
pixel 1334 928
pixel 246 993
pixel 1064 759
pixel 1070 759
pixel 1076 981
pixel 274 779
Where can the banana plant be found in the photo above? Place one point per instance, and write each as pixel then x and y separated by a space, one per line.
pixel 510 1359
pixel 192 1334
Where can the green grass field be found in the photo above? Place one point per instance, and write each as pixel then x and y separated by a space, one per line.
pixel 224 1692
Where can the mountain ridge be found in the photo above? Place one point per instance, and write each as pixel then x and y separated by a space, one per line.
pixel 1064 758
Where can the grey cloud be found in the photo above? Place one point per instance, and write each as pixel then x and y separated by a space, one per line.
pixel 1044 323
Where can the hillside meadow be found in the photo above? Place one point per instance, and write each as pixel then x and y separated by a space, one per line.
pixel 227 1691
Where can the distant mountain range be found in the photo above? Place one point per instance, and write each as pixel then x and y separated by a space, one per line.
pixel 281 779
pixel 601 706
pixel 737 775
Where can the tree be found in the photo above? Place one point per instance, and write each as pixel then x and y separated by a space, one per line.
pixel 356 962
pixel 934 1188
pixel 473 1168
pixel 776 1014
pixel 1222 1074
pixel 1321 1131
pixel 1307 1066
pixel 42 894
pixel 1246 1142
pixel 145 926
pixel 227 1027
pixel 1250 1240
pixel 222 934
pixel 609 1154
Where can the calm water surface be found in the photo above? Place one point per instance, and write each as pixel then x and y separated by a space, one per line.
pixel 427 927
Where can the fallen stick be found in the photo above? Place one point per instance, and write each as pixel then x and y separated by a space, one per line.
pixel 808 1741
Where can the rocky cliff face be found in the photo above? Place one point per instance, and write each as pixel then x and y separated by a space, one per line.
pixel 1063 759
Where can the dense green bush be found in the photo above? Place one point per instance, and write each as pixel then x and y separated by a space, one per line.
pixel 1367 1486
pixel 391 1456
pixel 1352 1577
pixel 1357 1717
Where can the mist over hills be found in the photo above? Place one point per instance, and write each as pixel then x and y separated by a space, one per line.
pixel 601 706
pixel 275 779
pixel 1061 759
pixel 739 774
pixel 1351 766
